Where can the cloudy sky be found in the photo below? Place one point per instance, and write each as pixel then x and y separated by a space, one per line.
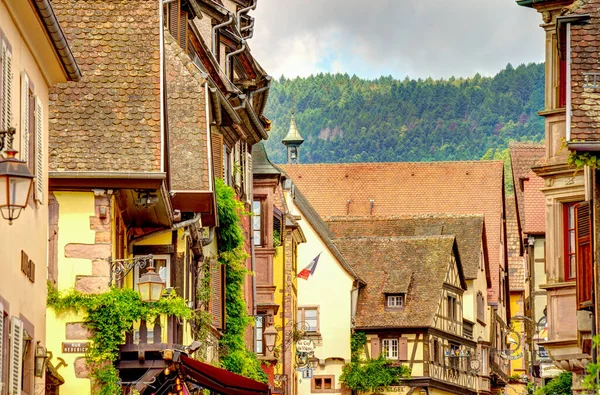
pixel 418 38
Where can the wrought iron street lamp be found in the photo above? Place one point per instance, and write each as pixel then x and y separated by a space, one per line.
pixel 41 357
pixel 270 335
pixel 15 179
pixel 150 285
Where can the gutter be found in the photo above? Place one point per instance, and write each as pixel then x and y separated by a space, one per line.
pixel 531 3
pixel 127 175
pixel 244 11
pixel 177 226
pixel 214 32
pixel 228 57
pixel 587 146
pixel 57 36
pixel 252 116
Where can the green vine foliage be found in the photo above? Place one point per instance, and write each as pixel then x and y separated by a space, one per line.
pixel 580 159
pixel 560 385
pixel 357 345
pixel 109 316
pixel 374 375
pixel 238 359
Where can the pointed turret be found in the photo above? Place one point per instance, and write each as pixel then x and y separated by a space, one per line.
pixel 293 141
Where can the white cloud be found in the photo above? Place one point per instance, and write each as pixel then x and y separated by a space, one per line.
pixel 438 38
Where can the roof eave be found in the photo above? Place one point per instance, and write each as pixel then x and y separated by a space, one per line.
pixel 59 40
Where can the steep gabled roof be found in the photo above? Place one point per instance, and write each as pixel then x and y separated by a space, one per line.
pixel 421 261
pixel 310 215
pixel 110 120
pixel 469 187
pixel 467 228
pixel 524 156
pixel 516 263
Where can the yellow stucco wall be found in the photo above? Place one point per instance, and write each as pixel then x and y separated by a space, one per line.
pixel 470 303
pixel 34 54
pixel 75 210
pixel 517 365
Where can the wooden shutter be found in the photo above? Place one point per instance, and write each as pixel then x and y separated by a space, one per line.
pixel 217 288
pixel 39 151
pixel 403 348
pixel 6 88
pixel 15 362
pixel 237 164
pixel 583 226
pixel 249 178
pixel 25 113
pixel 174 18
pixel 217 152
pixel 182 37
pixel 375 347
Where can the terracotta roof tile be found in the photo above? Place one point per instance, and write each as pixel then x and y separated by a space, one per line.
pixel 469 187
pixel 523 157
pixel 468 230
pixel 422 260
pixel 186 103
pixel 535 203
pixel 110 119
pixel 516 263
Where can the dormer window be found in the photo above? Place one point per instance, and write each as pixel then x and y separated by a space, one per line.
pixel 394 301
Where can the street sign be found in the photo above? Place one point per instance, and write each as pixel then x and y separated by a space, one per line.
pixel 305 346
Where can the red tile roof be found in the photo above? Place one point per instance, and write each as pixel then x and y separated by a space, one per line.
pixel 516 263
pixel 110 119
pixel 422 263
pixel 469 187
pixel 523 157
pixel 534 202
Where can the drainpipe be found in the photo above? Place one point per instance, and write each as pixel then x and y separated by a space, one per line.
pixel 568 88
pixel 250 25
pixel 244 11
pixel 179 225
pixel 230 54
pixel 213 48
pixel 208 137
pixel 162 81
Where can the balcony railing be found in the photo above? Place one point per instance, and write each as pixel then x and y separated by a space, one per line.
pixel 144 343
pixel 453 376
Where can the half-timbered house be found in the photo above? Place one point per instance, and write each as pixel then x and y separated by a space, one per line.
pixel 411 309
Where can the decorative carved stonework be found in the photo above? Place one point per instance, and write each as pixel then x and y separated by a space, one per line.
pixel 572 365
pixel 546 17
pixel 549 182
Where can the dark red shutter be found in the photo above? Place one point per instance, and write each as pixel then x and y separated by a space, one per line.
pixel 583 228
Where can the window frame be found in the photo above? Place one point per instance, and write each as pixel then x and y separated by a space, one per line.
pixel 261 222
pixel 136 273
pixel 390 297
pixel 322 378
pixel 263 318
pixel 454 310
pixel 566 232
pixel 301 315
pixel 388 351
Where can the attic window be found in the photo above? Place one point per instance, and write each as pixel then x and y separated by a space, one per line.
pixel 394 301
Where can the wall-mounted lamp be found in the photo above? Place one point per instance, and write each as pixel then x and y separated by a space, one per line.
pixel 15 179
pixel 41 358
pixel 145 198
pixel 270 335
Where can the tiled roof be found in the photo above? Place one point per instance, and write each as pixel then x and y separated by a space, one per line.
pixel 523 156
pixel 423 260
pixel 310 215
pixel 468 230
pixel 261 164
pixel 584 47
pixel 186 104
pixel 470 187
pixel 516 263
pixel 110 119
pixel 535 205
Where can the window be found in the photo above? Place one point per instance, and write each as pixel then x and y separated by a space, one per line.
pixel 227 164
pixel 467 329
pixel 162 267
pixel 570 244
pixel 257 226
pixel 395 301
pixel 310 317
pixel 323 384
pixel 436 352
pixel 585 277
pixel 480 307
pixel 259 330
pixel 390 348
pixel 451 308
pixel 6 84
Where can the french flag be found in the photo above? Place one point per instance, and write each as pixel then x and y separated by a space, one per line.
pixel 310 269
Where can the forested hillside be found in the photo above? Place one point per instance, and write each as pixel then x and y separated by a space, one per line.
pixel 348 119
